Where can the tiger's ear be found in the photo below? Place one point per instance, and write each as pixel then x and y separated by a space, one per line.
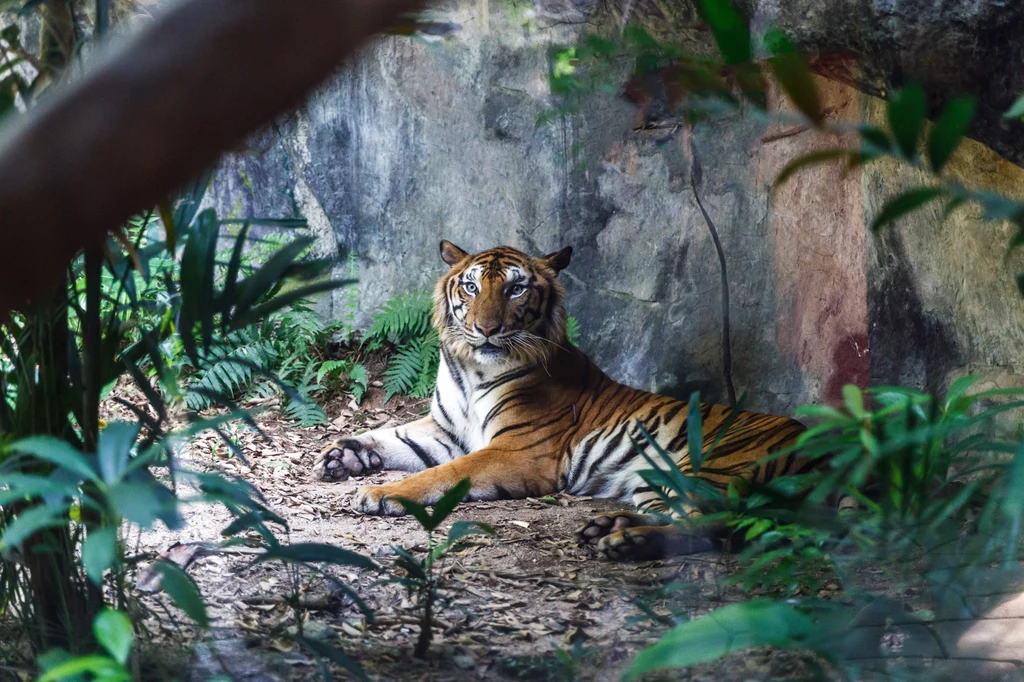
pixel 559 260
pixel 450 253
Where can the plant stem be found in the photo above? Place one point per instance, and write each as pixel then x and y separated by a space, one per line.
pixel 426 622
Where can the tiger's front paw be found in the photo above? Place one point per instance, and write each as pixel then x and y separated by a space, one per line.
pixel 373 499
pixel 348 457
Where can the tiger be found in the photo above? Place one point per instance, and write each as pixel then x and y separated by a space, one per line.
pixel 522 412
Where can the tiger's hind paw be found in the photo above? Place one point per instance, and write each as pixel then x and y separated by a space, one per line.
pixel 348 457
pixel 602 525
pixel 645 543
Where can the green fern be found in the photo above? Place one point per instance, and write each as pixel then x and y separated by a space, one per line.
pixel 400 320
pixel 358 382
pixel 304 412
pixel 412 370
pixel 405 322
pixel 299 405
pixel 346 373
pixel 572 330
pixel 230 368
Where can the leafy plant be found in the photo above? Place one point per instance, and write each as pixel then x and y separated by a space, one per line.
pixel 422 576
pixel 347 373
pixel 230 368
pixel 404 317
pixel 572 330
pixel 66 486
pixel 405 322
pixel 113 632
pixel 925 470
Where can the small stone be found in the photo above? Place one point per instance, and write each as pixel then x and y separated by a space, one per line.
pixel 464 661
pixel 314 629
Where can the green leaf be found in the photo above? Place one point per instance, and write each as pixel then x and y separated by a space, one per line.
pixel 949 130
pixel 461 529
pixel 137 502
pixel 874 141
pixel 819 411
pixel 31 521
pixel 809 159
pixel 902 204
pixel 417 510
pixel 695 433
pixel 958 388
pixel 261 282
pixel 59 452
pixel 231 278
pixel 114 632
pixel 252 519
pixel 732 34
pixel 314 552
pixel 907 110
pixel 794 75
pixel 183 591
pixel 98 553
pixel 444 507
pixel 854 400
pixel 1017 110
pixel 757 528
pixel 951 205
pixel 252 315
pixel 115 449
pixel 737 627
pixel 101 667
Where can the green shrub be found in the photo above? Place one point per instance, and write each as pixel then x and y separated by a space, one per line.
pixel 405 322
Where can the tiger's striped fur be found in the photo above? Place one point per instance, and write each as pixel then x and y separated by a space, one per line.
pixel 522 412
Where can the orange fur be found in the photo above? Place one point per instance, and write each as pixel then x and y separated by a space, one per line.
pixel 522 412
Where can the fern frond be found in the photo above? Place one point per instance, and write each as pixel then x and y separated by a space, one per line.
pixel 304 412
pixel 403 371
pixel 572 330
pixel 401 319
pixel 359 383
pixel 229 368
pixel 412 370
pixel 334 369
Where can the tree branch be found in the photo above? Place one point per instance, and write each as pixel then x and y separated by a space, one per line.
pixel 155 114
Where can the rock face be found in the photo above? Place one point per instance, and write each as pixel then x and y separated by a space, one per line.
pixel 419 141
pixel 951 47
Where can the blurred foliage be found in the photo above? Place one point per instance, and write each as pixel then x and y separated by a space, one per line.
pixel 697 87
pixel 937 478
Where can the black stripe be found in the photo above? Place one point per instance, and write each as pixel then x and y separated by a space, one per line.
pixel 616 442
pixel 444 445
pixel 451 363
pixel 420 452
pixel 488 386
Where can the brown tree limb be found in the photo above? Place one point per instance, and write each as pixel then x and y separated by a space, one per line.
pixel 155 114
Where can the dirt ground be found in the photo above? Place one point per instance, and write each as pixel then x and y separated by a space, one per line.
pixel 526 604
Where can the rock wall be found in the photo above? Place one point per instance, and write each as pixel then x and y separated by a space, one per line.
pixel 419 141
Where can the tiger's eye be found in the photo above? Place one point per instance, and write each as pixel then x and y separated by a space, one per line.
pixel 470 288
pixel 516 291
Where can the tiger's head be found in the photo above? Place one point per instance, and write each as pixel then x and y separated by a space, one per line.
pixel 501 306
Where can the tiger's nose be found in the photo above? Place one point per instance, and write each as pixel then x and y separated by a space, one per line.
pixel 488 329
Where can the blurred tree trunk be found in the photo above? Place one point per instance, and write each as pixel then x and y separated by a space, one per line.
pixel 196 83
